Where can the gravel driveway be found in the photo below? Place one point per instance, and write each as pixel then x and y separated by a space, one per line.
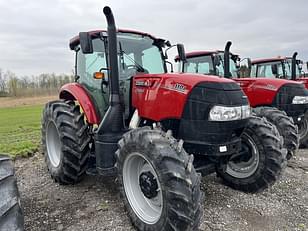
pixel 94 204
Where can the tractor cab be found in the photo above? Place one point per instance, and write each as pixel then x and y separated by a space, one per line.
pixel 208 63
pixel 280 67
pixel 137 53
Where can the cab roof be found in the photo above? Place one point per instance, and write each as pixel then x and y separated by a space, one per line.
pixel 95 34
pixel 196 54
pixel 279 58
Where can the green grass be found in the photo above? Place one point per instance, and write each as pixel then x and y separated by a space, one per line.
pixel 20 130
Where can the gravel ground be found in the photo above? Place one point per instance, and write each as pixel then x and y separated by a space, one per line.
pixel 94 203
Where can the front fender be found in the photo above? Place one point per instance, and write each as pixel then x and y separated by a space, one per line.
pixel 75 91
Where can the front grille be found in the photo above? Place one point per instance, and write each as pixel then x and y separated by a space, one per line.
pixel 195 126
pixel 284 97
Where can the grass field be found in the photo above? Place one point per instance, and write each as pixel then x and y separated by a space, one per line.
pixel 20 127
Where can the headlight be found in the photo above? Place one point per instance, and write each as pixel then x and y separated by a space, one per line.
pixel 300 100
pixel 225 113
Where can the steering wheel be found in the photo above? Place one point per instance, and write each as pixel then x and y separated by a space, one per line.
pixel 129 67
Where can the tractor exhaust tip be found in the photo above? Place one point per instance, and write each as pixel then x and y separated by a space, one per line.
pixel 107 10
pixel 294 54
pixel 228 45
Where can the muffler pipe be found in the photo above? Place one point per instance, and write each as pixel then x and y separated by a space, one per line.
pixel 293 66
pixel 111 127
pixel 227 60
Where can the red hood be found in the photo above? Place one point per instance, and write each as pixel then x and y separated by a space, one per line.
pixel 276 83
pixel 163 96
pixel 262 91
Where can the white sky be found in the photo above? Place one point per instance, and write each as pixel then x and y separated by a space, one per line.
pixel 34 34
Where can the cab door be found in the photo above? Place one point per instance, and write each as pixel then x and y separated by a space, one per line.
pixel 87 65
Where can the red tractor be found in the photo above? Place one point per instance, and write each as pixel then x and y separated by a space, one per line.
pixel 287 68
pixel 275 99
pixel 126 116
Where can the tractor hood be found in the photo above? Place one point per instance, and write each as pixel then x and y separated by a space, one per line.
pixel 163 96
pixel 304 81
pixel 264 91
pixel 265 83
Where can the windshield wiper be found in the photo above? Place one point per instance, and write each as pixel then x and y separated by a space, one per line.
pixel 139 67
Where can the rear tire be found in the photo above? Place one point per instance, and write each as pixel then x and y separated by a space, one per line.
pixel 174 201
pixel 285 125
pixel 263 162
pixel 65 141
pixel 11 215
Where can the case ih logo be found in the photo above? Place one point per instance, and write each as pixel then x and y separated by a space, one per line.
pixel 143 83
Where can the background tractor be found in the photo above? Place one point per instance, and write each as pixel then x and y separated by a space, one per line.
pixel 287 68
pixel 274 99
pixel 126 116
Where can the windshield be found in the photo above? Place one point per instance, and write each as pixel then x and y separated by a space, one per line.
pixel 138 51
pixel 268 70
pixel 277 69
pixel 205 65
pixel 135 53
pixel 201 64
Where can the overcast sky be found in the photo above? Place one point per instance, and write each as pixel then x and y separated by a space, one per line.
pixel 34 34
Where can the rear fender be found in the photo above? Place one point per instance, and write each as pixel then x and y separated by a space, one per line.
pixel 75 91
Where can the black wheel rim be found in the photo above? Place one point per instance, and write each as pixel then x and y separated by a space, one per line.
pixel 245 164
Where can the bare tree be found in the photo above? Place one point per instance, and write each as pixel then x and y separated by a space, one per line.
pixel 2 83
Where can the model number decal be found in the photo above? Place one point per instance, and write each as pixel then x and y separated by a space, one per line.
pixel 178 87
pixel 268 87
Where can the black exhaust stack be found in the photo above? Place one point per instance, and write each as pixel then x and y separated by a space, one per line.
pixel 227 60
pixel 111 128
pixel 293 66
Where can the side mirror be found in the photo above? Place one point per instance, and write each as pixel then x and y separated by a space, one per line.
pixel 238 63
pixel 85 42
pixel 307 65
pixel 274 69
pixel 216 60
pixel 300 64
pixel 181 52
pixel 249 64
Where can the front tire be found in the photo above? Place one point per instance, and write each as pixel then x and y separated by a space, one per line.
pixel 65 141
pixel 11 215
pixel 285 125
pixel 158 183
pixel 261 161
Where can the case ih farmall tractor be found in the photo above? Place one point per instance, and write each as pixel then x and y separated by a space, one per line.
pixel 280 101
pixel 287 68
pixel 126 116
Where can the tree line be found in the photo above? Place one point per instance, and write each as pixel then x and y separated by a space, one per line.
pixel 35 85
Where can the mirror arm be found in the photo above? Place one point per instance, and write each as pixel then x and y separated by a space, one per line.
pixel 166 55
pixel 170 65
